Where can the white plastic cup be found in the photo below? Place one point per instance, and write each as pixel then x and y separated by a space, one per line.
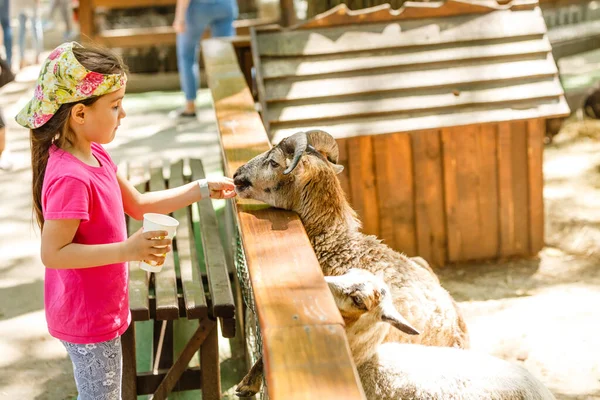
pixel 158 222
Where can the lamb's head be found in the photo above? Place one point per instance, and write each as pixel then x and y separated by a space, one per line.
pixel 365 298
pixel 277 176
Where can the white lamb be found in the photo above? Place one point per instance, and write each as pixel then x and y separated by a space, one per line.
pixel 393 371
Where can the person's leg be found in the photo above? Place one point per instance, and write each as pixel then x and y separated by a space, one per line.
pixel 222 26
pixel 22 31
pixel 98 369
pixel 187 56
pixel 2 136
pixel 38 33
pixel 5 159
pixel 65 12
pixel 6 30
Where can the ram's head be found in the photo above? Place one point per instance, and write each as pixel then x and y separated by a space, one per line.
pixel 277 176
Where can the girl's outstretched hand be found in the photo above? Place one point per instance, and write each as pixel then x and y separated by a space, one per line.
pixel 221 188
pixel 142 246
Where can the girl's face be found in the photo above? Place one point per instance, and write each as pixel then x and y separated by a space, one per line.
pixel 102 118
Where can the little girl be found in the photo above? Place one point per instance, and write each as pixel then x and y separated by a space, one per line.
pixel 80 200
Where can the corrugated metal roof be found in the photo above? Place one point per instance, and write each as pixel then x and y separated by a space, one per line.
pixel 479 62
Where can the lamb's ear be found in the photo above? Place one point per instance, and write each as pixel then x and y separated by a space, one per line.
pixel 337 168
pixel 393 317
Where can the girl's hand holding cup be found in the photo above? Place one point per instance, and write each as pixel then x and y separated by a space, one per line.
pixel 166 227
pixel 151 246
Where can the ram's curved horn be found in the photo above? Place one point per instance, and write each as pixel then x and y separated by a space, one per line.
pixel 324 143
pixel 295 144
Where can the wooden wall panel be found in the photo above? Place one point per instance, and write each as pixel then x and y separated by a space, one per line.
pixel 395 191
pixel 520 179
pixel 429 196
pixel 362 175
pixel 513 187
pixel 470 184
pixel 535 148
pixel 505 190
pixel 488 191
pixel 452 208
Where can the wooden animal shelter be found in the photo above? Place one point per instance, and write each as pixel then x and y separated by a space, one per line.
pixel 439 110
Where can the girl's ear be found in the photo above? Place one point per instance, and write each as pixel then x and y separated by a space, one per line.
pixel 78 114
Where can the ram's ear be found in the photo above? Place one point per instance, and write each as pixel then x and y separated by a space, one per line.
pixel 337 168
pixel 299 169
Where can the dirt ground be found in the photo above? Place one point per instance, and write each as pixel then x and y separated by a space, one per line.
pixel 544 312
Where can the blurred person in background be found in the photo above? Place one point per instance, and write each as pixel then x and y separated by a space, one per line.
pixel 64 7
pixel 6 30
pixel 6 76
pixel 5 159
pixel 29 11
pixel 192 17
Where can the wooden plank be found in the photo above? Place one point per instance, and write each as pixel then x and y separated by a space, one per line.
pixel 395 191
pixel 505 191
pixel 86 19
pixel 210 368
pixel 288 12
pixel 287 279
pixel 191 279
pixel 228 326
pixel 138 278
pixel 535 149
pixel 260 85
pixel 342 15
pixel 422 32
pixel 163 35
pixel 148 382
pixel 449 53
pixel 574 39
pixel 162 347
pixel 520 179
pixel 453 222
pixel 368 83
pixel 168 383
pixel 413 102
pixel 167 305
pixel 471 192
pixel 344 176
pixel 133 3
pixel 234 105
pixel 129 380
pixel 487 151
pixel 216 267
pixel 361 162
pixel 136 37
pixel 429 197
pixel 352 127
pixel 326 368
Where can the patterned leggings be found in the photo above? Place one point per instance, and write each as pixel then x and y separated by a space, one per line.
pixel 97 368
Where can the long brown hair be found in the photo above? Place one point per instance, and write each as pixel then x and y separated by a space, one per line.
pixel 56 130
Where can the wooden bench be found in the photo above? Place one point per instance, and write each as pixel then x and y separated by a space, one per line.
pixel 151 36
pixel 194 284
pixel 305 350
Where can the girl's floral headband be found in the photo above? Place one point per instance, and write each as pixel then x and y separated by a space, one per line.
pixel 64 80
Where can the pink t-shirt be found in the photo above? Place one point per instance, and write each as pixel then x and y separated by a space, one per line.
pixel 87 305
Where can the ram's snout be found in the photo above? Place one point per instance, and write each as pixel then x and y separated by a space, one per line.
pixel 240 180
